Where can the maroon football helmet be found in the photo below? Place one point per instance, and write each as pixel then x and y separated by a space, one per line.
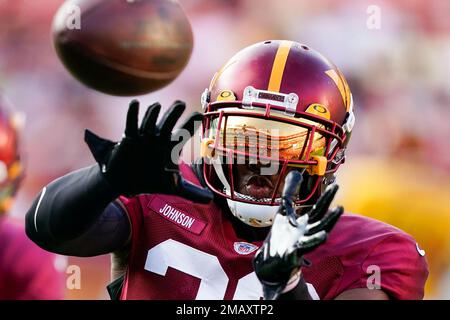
pixel 11 170
pixel 274 107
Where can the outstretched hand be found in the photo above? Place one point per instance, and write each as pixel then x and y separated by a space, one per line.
pixel 280 258
pixel 146 159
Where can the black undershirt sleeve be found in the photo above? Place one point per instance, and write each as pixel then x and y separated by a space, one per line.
pixel 76 215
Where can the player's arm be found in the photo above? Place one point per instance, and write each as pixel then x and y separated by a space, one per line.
pixel 76 215
pixel 402 271
pixel 75 208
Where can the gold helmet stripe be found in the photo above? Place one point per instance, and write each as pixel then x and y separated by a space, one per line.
pixel 278 66
pixel 342 85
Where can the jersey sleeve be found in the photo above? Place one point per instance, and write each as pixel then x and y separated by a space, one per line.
pixel 397 266
pixel 132 208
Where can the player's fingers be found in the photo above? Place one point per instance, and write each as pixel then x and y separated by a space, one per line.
pixel 170 118
pixel 333 217
pixel 149 122
pixel 327 223
pixel 131 129
pixel 309 243
pixel 289 211
pixel 322 205
pixel 301 223
pixel 292 184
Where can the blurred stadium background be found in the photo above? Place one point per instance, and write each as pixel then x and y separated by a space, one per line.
pixel 398 169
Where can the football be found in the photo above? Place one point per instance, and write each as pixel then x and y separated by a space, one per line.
pixel 123 47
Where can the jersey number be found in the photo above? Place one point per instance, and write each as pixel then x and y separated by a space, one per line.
pixel 202 265
pixel 206 267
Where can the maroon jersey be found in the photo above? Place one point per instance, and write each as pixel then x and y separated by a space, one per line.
pixel 26 271
pixel 184 250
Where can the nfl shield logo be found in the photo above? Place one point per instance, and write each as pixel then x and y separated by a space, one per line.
pixel 244 248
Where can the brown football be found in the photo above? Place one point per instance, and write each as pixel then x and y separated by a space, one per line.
pixel 123 47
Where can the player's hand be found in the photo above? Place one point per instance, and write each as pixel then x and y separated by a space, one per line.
pixel 146 159
pixel 280 258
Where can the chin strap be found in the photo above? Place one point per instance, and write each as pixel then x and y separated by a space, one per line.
pixel 221 175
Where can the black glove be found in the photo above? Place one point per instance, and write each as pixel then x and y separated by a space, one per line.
pixel 145 160
pixel 280 258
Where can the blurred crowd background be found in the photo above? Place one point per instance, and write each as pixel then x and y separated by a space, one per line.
pixel 398 166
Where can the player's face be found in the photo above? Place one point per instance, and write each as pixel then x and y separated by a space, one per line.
pixel 248 141
pixel 250 181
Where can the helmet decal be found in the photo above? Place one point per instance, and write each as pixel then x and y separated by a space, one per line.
pixel 319 110
pixel 226 95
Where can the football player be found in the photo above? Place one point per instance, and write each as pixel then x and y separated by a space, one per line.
pixel 277 120
pixel 26 271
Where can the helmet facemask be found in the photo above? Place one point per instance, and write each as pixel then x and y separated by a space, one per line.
pixel 249 148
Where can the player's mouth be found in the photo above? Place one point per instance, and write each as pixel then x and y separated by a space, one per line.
pixel 259 187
